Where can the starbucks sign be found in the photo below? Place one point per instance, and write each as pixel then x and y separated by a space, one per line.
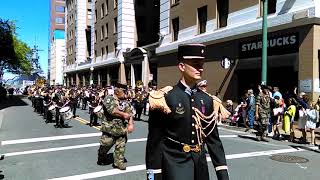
pixel 277 45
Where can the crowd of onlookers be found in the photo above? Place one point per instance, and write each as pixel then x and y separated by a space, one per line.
pixel 288 112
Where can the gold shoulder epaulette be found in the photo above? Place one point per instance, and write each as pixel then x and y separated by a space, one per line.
pixel 218 107
pixel 158 101
pixel 215 98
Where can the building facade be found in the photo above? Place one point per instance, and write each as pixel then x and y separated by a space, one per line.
pixel 119 46
pixel 233 30
pixel 56 54
pixel 78 40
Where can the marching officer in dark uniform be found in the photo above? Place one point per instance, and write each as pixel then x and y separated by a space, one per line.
pixel 182 121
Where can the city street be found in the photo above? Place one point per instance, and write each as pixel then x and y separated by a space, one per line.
pixel 36 150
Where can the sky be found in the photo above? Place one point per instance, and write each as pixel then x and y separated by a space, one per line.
pixel 32 20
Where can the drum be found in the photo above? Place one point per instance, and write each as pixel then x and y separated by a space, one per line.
pixel 52 109
pixel 66 113
pixel 99 111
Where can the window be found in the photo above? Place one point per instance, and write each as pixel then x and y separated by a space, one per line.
pixel 115 47
pixel 102 52
pixel 59 20
pixel 102 33
pixel 202 19
pixel 106 31
pixel 272 6
pixel 95 36
pixel 102 10
pixel 115 3
pixel 174 2
pixel 60 9
pixel 95 15
pixel 175 29
pixel 89 1
pixel 95 53
pixel 107 6
pixel 107 50
pixel 115 27
pixel 89 14
pixel 223 11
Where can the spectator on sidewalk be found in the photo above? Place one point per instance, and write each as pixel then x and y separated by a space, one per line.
pixel 276 92
pixel 3 93
pixel 303 106
pixel 251 108
pixel 289 117
pixel 277 113
pixel 312 118
pixel 202 85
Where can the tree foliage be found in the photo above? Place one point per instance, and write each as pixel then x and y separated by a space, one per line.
pixel 15 55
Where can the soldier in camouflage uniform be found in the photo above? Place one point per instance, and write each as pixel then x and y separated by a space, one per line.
pixel 263 113
pixel 114 129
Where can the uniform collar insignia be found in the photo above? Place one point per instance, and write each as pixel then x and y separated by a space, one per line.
pixel 187 90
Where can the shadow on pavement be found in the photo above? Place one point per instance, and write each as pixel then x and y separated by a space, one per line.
pixel 305 148
pixel 247 137
pixel 12 101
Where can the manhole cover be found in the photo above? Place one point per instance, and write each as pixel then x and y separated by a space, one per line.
pixel 289 159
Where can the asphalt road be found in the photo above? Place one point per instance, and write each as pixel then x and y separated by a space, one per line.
pixel 36 150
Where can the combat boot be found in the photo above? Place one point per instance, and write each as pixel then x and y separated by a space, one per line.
pixel 263 138
pixel 119 166
pixel 101 163
pixel 258 138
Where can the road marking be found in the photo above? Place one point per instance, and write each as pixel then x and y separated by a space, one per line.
pixel 84 121
pixel 73 136
pixel 64 148
pixel 234 131
pixel 76 147
pixel 143 167
pixel 50 138
pixel 50 149
pixel 228 136
pixel 103 173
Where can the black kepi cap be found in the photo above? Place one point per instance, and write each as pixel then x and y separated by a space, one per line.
pixel 191 51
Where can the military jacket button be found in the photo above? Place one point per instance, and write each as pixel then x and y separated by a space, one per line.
pixel 192 141
pixel 192 132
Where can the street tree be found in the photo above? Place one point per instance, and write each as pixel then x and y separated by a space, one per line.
pixel 15 55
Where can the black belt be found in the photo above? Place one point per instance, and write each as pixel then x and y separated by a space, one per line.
pixel 183 146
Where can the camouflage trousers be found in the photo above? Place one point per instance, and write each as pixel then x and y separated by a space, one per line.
pixel 106 142
pixel 262 126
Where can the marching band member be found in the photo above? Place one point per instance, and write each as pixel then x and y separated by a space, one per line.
pixel 93 102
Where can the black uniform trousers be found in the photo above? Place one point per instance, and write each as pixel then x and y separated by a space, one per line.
pixel 93 117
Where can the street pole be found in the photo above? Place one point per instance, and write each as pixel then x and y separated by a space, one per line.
pixel 264 63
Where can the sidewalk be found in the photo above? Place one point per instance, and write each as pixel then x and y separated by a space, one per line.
pixel 297 132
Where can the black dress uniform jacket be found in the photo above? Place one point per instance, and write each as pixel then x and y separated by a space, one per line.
pixel 168 133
